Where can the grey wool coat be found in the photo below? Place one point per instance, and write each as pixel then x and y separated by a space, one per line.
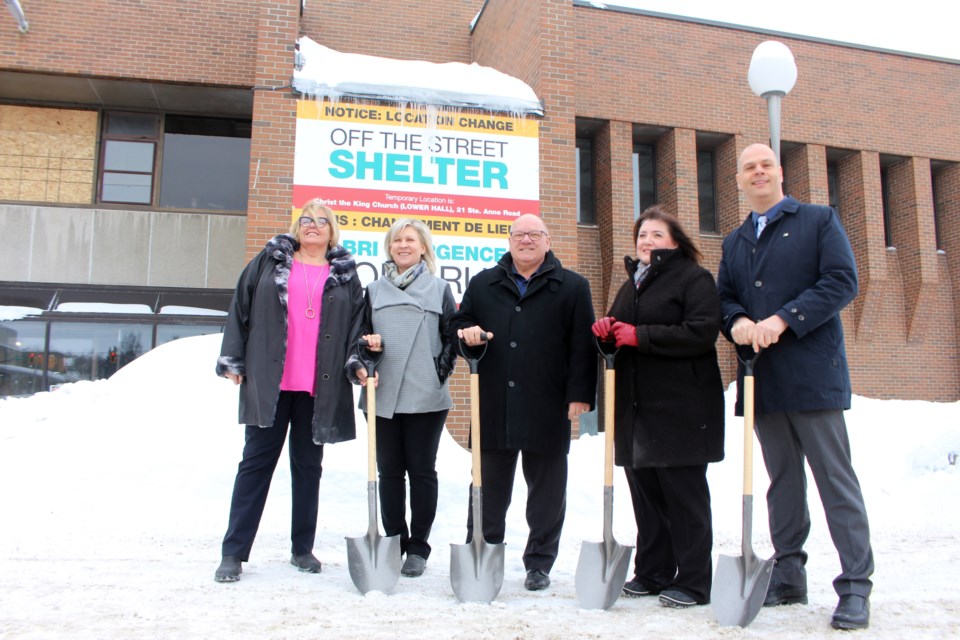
pixel 255 339
pixel 418 356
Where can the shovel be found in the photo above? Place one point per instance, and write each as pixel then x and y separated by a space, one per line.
pixel 373 560
pixel 602 568
pixel 740 584
pixel 476 568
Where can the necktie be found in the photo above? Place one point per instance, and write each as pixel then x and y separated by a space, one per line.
pixel 761 223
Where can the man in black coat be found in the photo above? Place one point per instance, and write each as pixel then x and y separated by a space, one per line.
pixel 539 372
pixel 785 275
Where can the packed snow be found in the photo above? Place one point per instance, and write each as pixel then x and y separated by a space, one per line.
pixel 115 496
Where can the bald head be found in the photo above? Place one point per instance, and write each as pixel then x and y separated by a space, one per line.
pixel 760 177
pixel 758 149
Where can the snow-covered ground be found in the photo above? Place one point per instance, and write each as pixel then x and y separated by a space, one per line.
pixel 114 498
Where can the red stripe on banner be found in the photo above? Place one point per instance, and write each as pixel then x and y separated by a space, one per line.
pixel 413 203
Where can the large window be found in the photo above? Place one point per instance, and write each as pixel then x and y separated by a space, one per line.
pixel 644 178
pixel 53 334
pixel 833 185
pixel 586 205
pixel 173 161
pixel 129 152
pixel 885 196
pixel 707 191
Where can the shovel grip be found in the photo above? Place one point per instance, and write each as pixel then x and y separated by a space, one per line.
pixel 609 380
pixel 475 428
pixel 371 429
pixel 748 436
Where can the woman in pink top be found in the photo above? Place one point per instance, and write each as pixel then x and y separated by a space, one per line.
pixel 293 319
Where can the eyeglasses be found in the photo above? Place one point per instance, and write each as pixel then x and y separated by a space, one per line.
pixel 536 236
pixel 307 221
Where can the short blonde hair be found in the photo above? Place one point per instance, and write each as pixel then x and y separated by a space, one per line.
pixel 425 239
pixel 316 209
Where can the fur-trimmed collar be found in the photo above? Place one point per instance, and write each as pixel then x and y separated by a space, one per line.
pixel 342 265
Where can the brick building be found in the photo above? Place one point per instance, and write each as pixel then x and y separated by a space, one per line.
pixel 110 111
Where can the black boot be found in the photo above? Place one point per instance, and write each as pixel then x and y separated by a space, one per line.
pixel 229 570
pixel 852 612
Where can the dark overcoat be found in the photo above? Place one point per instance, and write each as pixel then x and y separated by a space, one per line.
pixel 541 357
pixel 255 339
pixel 669 392
pixel 803 270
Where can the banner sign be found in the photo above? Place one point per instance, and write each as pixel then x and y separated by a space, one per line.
pixel 467 176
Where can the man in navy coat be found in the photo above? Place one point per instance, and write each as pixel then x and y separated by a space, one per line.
pixel 785 275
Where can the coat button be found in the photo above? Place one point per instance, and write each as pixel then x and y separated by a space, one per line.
pixel 793 310
pixel 758 283
pixel 511 384
pixel 326 376
pixel 800 317
pixel 513 345
pixel 517 308
pixel 327 337
pixel 329 298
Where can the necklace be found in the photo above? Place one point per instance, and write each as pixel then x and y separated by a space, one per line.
pixel 309 311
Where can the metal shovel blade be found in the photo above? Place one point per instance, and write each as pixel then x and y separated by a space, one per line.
pixel 602 567
pixel 739 588
pixel 373 560
pixel 476 568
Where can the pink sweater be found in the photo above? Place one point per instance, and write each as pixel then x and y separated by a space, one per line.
pixel 300 365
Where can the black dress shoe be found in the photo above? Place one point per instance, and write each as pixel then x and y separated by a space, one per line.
pixel 229 570
pixel 307 563
pixel 783 593
pixel 537 580
pixel 852 612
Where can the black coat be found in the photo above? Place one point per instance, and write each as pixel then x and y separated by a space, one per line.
pixel 669 393
pixel 541 357
pixel 802 269
pixel 255 339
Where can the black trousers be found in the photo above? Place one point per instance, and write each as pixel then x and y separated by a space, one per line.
pixel 546 478
pixel 255 471
pixel 674 528
pixel 407 445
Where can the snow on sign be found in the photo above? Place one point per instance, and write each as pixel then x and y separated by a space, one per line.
pixel 466 174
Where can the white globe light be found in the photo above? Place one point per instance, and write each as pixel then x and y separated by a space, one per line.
pixel 772 69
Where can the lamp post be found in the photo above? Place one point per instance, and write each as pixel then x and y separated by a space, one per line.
pixel 772 74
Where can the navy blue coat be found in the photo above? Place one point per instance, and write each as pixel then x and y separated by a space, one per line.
pixel 542 356
pixel 803 270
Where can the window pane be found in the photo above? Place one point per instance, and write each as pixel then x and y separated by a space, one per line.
pixel 585 204
pixel 169 332
pixel 644 179
pixel 129 124
pixel 21 357
pixel 119 155
pixel 833 185
pixel 205 172
pixel 92 350
pixel 706 191
pixel 127 187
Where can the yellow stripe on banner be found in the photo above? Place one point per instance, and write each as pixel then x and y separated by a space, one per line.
pixel 418 116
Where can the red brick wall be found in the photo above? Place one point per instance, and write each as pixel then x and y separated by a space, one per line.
pixel 437 32
pixel 274 125
pixel 212 42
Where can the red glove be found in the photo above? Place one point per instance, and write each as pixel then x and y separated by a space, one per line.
pixel 626 334
pixel 601 328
